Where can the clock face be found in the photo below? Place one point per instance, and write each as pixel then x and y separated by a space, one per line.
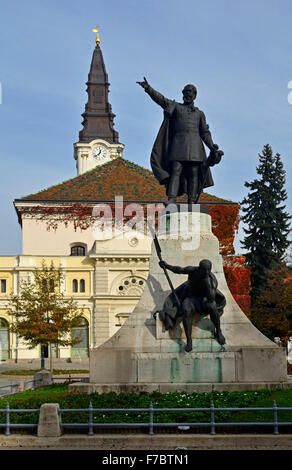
pixel 99 153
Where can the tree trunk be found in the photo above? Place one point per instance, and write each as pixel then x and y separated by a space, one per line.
pixel 51 359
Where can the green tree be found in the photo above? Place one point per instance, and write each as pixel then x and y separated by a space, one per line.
pixel 266 220
pixel 40 313
pixel 272 310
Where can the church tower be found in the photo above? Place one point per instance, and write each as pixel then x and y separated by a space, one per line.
pixel 98 140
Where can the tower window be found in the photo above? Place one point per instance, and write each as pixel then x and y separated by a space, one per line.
pixel 78 250
pixel 3 286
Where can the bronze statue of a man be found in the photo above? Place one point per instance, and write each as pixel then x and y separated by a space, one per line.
pixel 199 294
pixel 178 157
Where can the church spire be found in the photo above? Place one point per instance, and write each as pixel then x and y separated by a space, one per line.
pixel 98 118
pixel 98 141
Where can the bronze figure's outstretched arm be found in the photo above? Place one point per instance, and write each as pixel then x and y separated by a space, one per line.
pixel 154 95
pixel 177 269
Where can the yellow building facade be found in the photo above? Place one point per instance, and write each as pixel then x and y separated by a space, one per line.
pixel 95 285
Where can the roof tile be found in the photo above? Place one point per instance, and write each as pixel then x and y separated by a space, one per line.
pixel 119 177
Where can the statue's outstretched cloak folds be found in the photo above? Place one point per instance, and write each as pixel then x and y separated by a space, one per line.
pixel 160 164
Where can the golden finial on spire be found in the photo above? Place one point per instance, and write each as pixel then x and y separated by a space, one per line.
pixel 97 39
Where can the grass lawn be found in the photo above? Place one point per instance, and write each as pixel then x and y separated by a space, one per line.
pixel 59 394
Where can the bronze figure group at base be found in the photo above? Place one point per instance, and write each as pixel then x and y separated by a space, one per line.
pixel 199 294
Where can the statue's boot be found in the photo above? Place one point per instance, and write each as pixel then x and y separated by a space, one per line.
pixel 189 346
pixel 219 338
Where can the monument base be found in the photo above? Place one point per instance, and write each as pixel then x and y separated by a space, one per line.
pixel 175 387
pixel 142 356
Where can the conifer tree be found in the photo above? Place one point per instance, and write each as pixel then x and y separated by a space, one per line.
pixel 267 221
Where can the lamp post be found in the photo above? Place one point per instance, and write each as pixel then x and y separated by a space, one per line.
pixel 42 357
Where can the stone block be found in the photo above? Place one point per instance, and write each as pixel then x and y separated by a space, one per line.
pixel 112 365
pixel 49 420
pixel 262 365
pixel 186 368
pixel 42 378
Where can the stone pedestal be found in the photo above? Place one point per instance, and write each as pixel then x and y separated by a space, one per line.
pixel 49 420
pixel 142 356
pixel 42 377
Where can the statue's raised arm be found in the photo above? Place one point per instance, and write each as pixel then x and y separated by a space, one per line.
pixel 154 95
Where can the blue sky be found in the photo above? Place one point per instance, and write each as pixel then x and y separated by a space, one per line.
pixel 237 53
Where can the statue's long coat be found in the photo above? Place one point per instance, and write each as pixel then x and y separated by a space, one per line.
pixel 180 138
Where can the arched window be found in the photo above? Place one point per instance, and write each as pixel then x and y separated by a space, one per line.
pixel 4 340
pixel 78 250
pixel 3 286
pixel 82 285
pixel 80 349
pixel 75 285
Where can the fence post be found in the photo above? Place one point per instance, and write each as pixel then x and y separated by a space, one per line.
pixel 49 420
pixel 212 409
pixel 275 408
pixel 90 422
pixel 151 419
pixel 7 430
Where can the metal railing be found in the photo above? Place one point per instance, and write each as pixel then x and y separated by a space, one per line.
pixel 7 425
pixel 151 425
pixel 32 384
pixel 12 385
pixel 181 426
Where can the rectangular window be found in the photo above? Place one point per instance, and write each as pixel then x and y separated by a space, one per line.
pixel 3 286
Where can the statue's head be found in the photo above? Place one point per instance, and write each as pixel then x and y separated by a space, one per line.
pixel 205 266
pixel 189 93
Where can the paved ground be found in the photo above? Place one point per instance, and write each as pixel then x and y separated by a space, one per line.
pixel 36 364
pixel 170 442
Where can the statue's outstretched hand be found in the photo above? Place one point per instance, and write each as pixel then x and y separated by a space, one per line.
pixel 143 84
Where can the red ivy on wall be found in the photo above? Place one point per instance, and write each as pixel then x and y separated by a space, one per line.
pixel 237 275
pixel 225 221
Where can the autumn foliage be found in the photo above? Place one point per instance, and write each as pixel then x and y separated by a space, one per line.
pixel 225 221
pixel 237 275
pixel 272 311
pixel 40 313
